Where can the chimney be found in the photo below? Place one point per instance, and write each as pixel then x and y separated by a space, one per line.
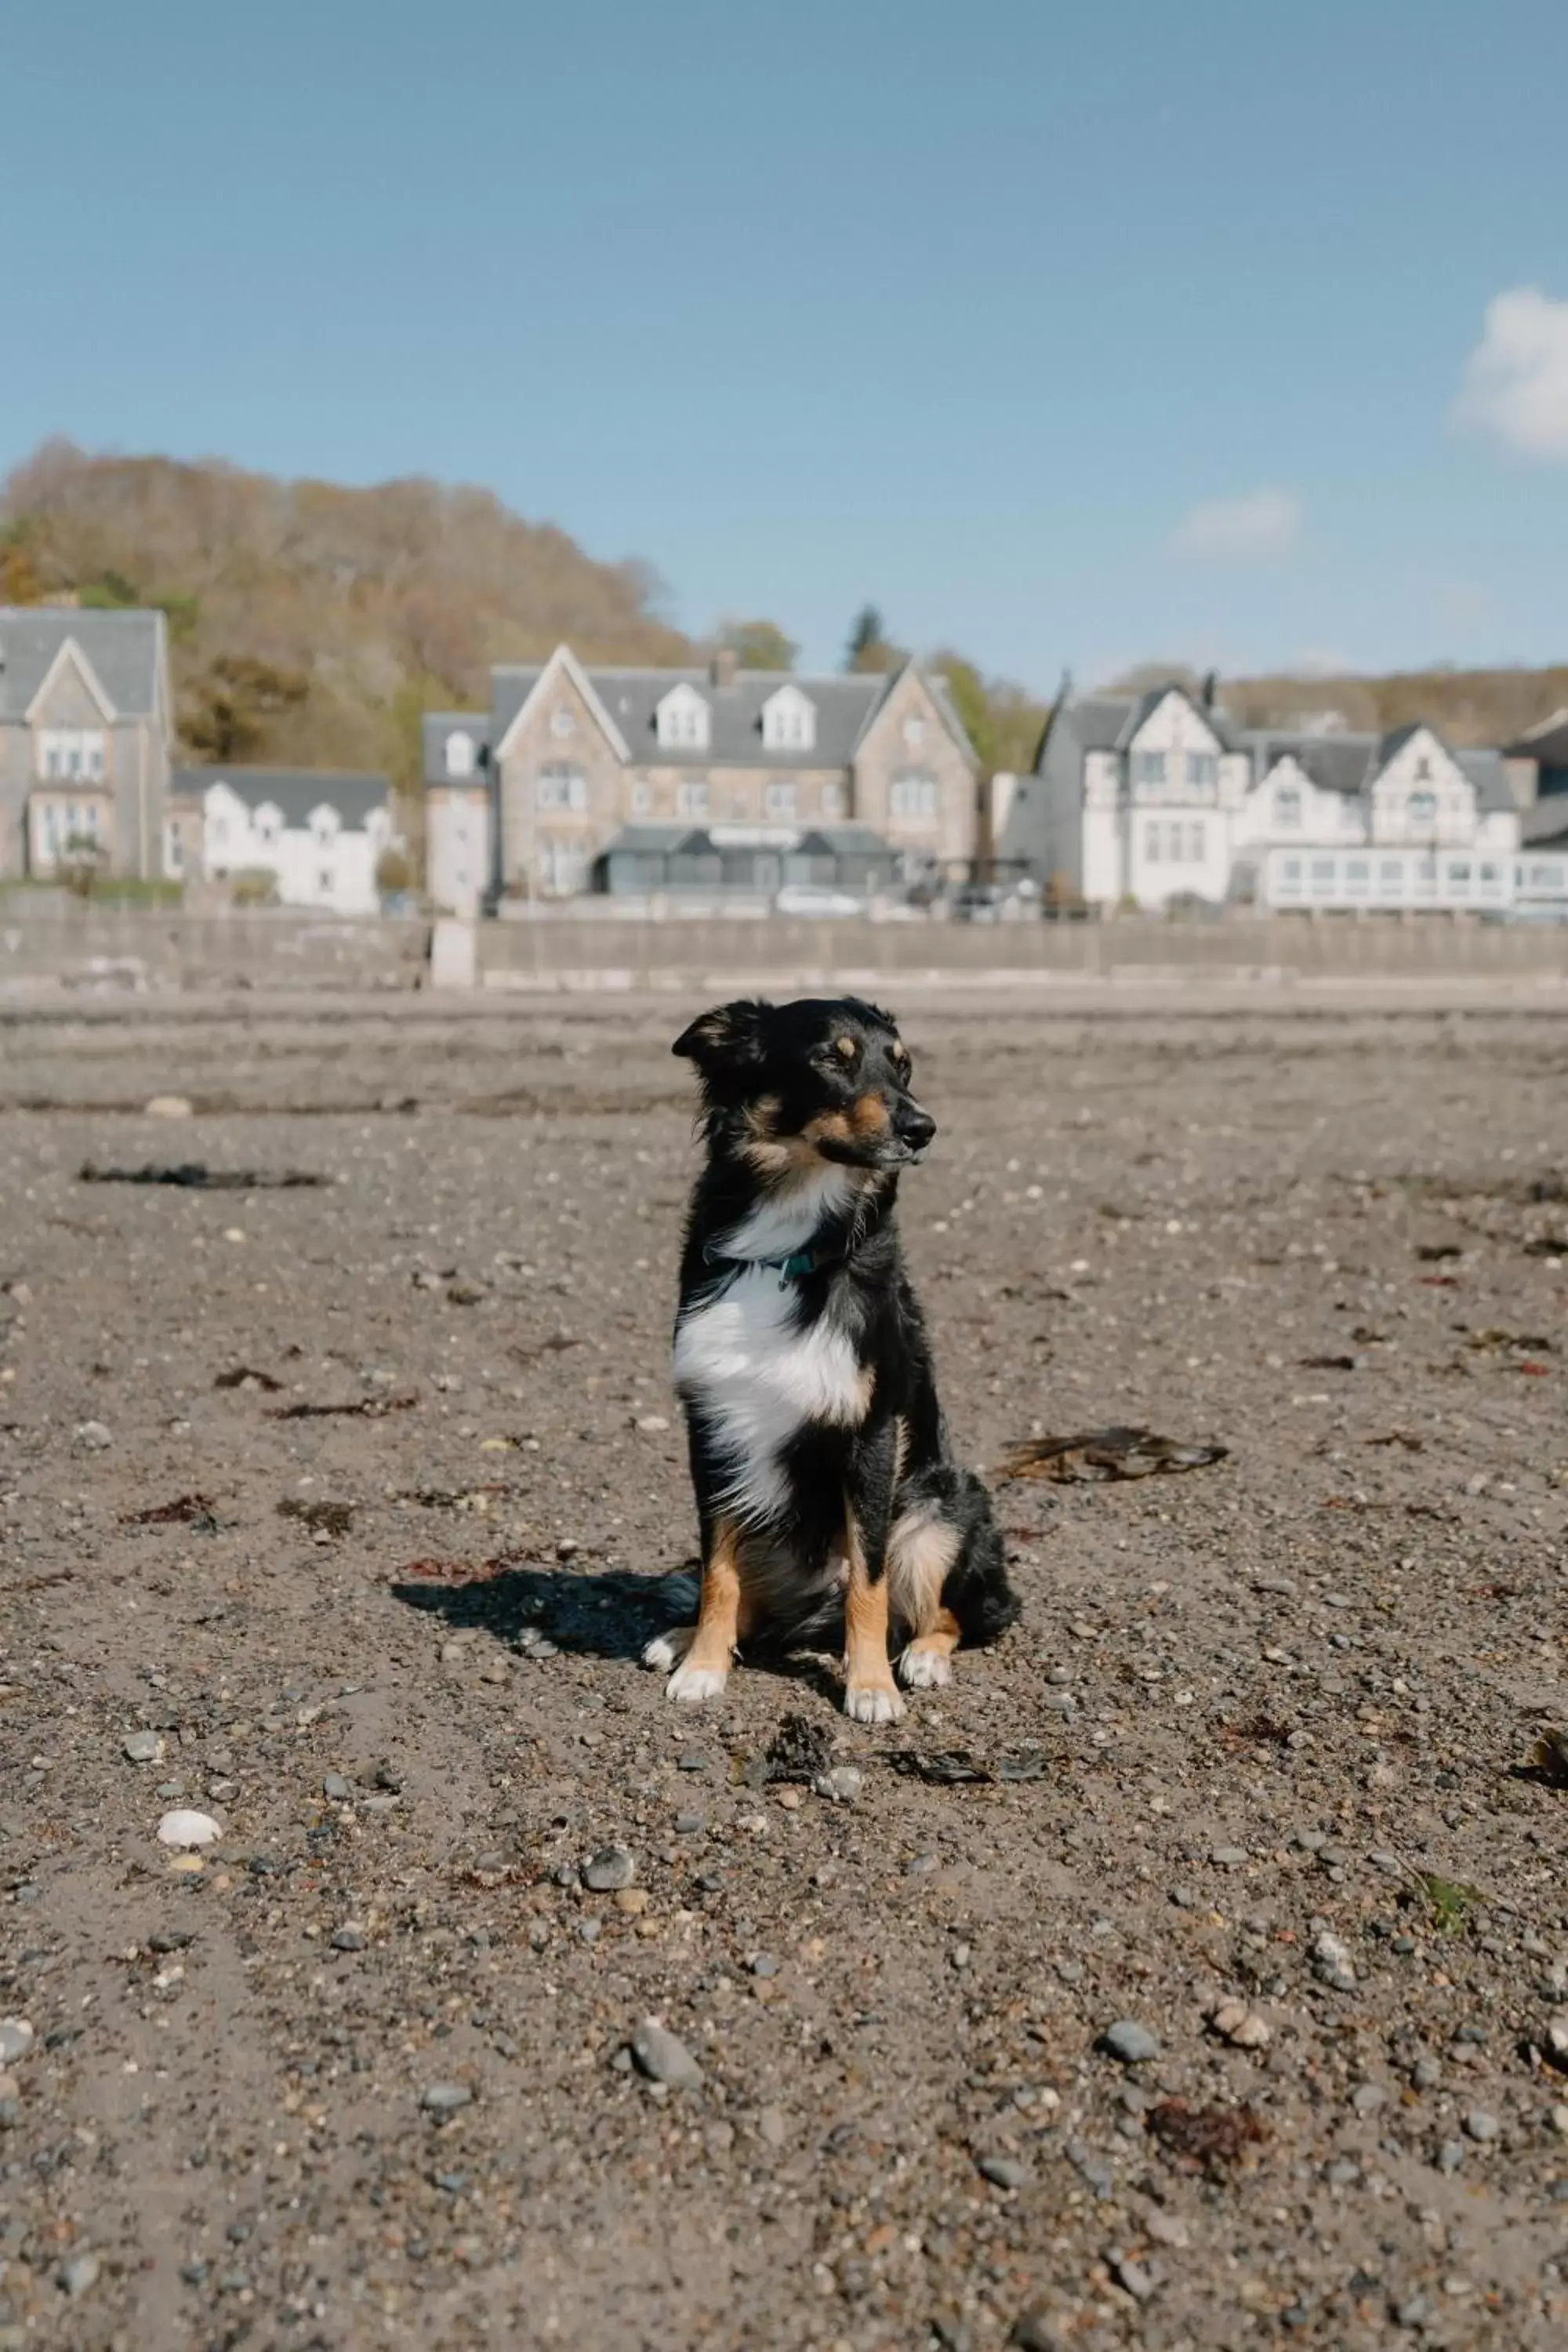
pixel 722 667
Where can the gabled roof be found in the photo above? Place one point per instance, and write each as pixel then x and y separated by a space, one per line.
pixel 434 728
pixel 844 706
pixel 1107 722
pixel 295 792
pixel 1546 741
pixel 1351 764
pixel 124 652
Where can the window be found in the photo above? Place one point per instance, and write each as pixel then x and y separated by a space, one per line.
pixel 832 800
pixel 1288 808
pixel 1546 877
pixel 560 788
pixel 459 754
pixel 1323 869
pixel 1197 844
pixel 642 796
pixel 1421 808
pixel 691 798
pixel 1358 872
pixel 914 731
pixel 789 721
pixel 1202 770
pixel 1490 874
pixel 780 800
pixel 913 798
pixel 1460 870
pixel 1155 842
pixel 1423 770
pixel 1148 769
pixel 325 881
pixel 683 719
pixel 72 751
pixel 175 852
pixel 562 722
pixel 1390 873
pixel 266 821
pixel 1291 869
pixel 218 827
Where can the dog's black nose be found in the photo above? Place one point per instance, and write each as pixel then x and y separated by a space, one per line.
pixel 913 1126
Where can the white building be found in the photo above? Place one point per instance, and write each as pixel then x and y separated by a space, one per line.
pixel 1156 798
pixel 320 834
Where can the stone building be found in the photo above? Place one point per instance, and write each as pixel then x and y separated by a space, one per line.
pixel 85 730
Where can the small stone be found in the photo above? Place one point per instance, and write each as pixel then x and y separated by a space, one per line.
pixel 182 1828
pixel 1425 2074
pixel 606 1872
pixel 632 1900
pixel 771 2126
pixel 336 1789
pixel 1558 2119
pixel 1132 2043
pixel 1133 2277
pixel 1242 2027
pixel 842 1785
pixel 167 1107
pixel 142 1748
pixel 1413 2312
pixel 1036 2331
pixel 1228 1857
pixel 1003 2171
pixel 349 1938
pixel 1343 2173
pixel 651 1423
pixel 1481 2126
pixel 1556 2039
pixel 690 1823
pixel 764 1965
pixel 446 2099
pixel 92 1436
pixel 664 2058
pixel 1332 1961
pixel 79 2274
pixel 1367 2098
pixel 691 1762
pixel 15 2040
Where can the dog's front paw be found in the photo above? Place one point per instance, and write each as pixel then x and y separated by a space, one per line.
pixel 667 1650
pixel 925 1669
pixel 689 1686
pixel 872 1703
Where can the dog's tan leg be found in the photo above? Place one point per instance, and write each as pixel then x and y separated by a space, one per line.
pixel 701 1653
pixel 921 1551
pixel 870 1693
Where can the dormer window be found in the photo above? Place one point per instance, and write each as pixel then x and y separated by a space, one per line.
pixel 562 722
pixel 683 719
pixel 459 754
pixel 268 820
pixel 789 721
pixel 1149 768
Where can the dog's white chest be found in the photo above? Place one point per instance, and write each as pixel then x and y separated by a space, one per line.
pixel 758 1380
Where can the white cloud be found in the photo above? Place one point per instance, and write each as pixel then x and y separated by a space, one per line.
pixel 1515 383
pixel 1240 531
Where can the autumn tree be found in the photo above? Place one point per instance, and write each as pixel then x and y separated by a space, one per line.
pixel 758 645
pixel 230 706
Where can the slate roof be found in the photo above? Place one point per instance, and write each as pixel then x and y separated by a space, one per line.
pixel 1107 722
pixel 434 728
pixel 294 792
pixel 1349 763
pixel 124 650
pixel 845 708
pixel 1545 821
pixel 1548 743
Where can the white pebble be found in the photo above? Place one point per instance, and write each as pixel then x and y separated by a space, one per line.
pixel 182 1828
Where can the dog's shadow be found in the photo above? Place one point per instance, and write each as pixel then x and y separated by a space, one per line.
pixel 613 1614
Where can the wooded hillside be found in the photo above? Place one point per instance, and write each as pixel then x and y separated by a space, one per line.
pixel 312 624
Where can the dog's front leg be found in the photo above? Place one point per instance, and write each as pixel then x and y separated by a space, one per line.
pixel 700 1656
pixel 870 1693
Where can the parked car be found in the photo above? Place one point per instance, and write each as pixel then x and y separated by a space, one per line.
pixel 979 902
pixel 816 899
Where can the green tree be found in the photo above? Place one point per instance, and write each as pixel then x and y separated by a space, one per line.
pixel 758 645
pixel 869 648
pixel 1002 722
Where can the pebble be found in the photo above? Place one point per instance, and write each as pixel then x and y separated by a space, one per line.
pixel 842 1786
pixel 652 1423
pixel 771 2126
pixel 1557 2037
pixel 336 1789
pixel 1228 1857
pixel 764 1965
pixel 92 1436
pixel 168 1107
pixel 690 1824
pixel 15 2038
pixel 1413 2312
pixel 446 2099
pixel 691 1762
pixel 1367 2098
pixel 606 1872
pixel 350 1937
pixel 1332 1961
pixel 1138 2282
pixel 632 1899
pixel 1132 2043
pixel 1450 2155
pixel 1003 2171
pixel 1481 2126
pixel 1242 2027
pixel 1558 2119
pixel 663 2057
pixel 1036 2331
pixel 142 1748
pixel 184 1829
pixel 79 2275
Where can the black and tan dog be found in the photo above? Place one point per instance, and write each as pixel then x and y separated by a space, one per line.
pixel 826 1491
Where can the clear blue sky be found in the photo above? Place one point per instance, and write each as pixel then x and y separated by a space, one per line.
pixel 1069 335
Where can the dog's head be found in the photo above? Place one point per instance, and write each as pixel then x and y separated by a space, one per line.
pixel 792 1085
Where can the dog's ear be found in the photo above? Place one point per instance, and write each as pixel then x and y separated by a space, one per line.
pixel 727 1040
